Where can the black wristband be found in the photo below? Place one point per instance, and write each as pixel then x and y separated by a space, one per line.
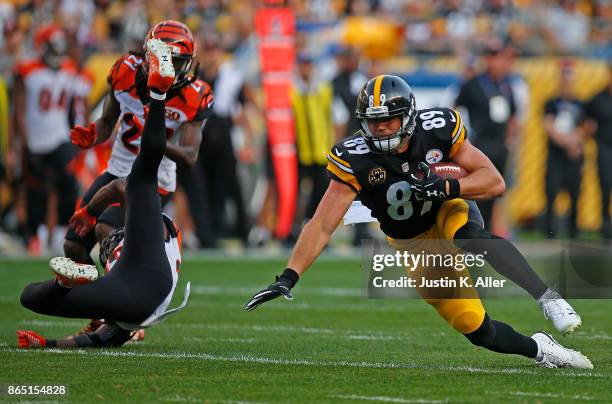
pixel 291 276
pixel 453 188
pixel 89 211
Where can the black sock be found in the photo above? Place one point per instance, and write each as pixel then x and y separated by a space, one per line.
pixel 500 337
pixel 502 256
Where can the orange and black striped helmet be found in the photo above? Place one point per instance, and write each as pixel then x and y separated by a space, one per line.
pixel 180 39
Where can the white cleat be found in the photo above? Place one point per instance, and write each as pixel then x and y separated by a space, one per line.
pixel 558 310
pixel 161 70
pixel 554 355
pixel 70 274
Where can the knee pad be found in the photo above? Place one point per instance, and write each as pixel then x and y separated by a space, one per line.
pixel 464 315
pixel 484 335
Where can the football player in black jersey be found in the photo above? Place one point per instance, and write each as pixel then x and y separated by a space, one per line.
pixel 379 163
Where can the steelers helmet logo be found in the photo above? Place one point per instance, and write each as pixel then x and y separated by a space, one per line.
pixel 377 175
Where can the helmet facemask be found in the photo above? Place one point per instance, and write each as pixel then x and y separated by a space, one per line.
pixel 382 98
pixel 108 245
pixel 390 143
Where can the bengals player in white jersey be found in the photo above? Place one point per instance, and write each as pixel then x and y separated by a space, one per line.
pixel 188 104
pixel 43 91
pixel 145 258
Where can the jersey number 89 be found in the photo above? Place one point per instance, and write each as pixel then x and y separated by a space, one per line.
pixel 431 121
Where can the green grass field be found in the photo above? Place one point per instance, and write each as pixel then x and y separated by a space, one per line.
pixel 327 345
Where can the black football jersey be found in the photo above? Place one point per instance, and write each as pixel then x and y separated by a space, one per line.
pixel 382 180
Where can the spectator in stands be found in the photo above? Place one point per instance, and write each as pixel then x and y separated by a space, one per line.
pixel 489 101
pixel 569 26
pixel 563 115
pixel 598 111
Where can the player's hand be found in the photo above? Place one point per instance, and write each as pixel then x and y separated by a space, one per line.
pixel 84 137
pixel 82 221
pixel 429 186
pixel 282 287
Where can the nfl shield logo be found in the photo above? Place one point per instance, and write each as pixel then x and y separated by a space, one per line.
pixel 405 167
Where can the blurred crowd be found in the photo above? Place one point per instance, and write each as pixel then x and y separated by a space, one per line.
pixel 339 44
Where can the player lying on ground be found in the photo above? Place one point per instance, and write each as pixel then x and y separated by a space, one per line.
pixel 396 136
pixel 144 258
pixel 188 104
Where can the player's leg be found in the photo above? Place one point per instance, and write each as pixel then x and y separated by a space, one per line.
pixel 604 169
pixel 554 179
pixel 76 247
pixel 144 234
pixel 66 183
pixel 462 309
pixel 114 296
pixel 320 181
pixel 36 198
pixel 501 254
pixel 107 297
pixel 468 317
pixel 572 183
pixel 460 221
pixel 108 335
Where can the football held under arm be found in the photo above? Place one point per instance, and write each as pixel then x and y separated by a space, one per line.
pixel 317 232
pixel 483 181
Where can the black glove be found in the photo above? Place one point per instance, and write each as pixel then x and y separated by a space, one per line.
pixel 429 186
pixel 282 286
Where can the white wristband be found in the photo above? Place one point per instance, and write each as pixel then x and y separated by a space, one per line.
pixel 157 96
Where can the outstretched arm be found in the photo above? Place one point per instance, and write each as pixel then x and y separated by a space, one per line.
pixel 100 130
pixel 312 240
pixel 316 233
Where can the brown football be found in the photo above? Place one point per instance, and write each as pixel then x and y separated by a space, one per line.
pixel 448 170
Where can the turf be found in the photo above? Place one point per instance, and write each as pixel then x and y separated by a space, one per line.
pixel 327 345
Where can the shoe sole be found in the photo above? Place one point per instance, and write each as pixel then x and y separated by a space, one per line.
pixel 67 268
pixel 160 49
pixel 572 328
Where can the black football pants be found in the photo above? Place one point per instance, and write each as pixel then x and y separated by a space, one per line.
pixel 141 278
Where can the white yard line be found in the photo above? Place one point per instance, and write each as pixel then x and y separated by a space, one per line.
pixel 326 332
pixel 350 334
pixel 595 336
pixel 245 358
pixel 54 323
pixel 250 290
pixel 549 395
pixel 338 304
pixel 387 399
